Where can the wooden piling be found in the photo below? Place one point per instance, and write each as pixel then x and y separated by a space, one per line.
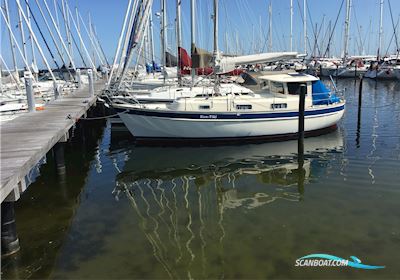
pixel 9 238
pixel 300 142
pixel 302 98
pixel 358 133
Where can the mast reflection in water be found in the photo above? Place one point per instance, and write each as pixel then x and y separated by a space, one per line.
pixel 182 196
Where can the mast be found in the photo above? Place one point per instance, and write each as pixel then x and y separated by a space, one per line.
pixel 21 29
pixel 291 25
pixel 178 38
pixel 28 12
pixel 347 29
pixel 1 78
pixel 252 39
pixel 99 45
pixel 260 49
pixel 192 34
pixel 237 42
pixel 141 51
pixel 216 48
pixel 305 25
pixel 163 37
pixel 59 51
pixel 16 44
pixel 67 27
pixel 12 43
pixel 145 10
pixel 146 46
pixel 314 52
pixel 152 42
pixel 124 49
pixel 94 50
pixel 65 47
pixel 69 14
pixel 56 15
pixel 329 43
pixel 380 28
pixel 226 43
pixel 36 42
pixel 270 27
pixel 121 37
pixel 90 34
pixel 79 25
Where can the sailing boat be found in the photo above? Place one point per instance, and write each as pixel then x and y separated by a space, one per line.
pixel 384 67
pixel 232 116
pixel 273 115
pixel 387 69
pixel 184 87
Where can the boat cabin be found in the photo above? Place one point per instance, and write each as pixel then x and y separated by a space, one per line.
pixel 287 84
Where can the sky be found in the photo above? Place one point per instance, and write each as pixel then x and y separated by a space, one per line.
pixel 244 25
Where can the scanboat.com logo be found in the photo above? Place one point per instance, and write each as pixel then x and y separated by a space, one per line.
pixel 330 260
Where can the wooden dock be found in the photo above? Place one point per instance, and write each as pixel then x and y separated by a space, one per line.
pixel 26 139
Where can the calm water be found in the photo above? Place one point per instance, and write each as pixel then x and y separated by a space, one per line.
pixel 219 212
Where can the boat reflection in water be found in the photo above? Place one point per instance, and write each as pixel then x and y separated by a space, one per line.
pixel 187 199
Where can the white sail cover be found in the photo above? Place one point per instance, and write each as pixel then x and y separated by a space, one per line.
pixel 228 64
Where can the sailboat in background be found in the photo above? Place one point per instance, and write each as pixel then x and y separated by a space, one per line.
pixel 383 67
pixel 49 83
pixel 162 88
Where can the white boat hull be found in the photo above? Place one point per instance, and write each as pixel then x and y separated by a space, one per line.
pixel 386 74
pixel 143 123
pixel 343 72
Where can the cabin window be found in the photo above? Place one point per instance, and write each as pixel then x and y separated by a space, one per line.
pixel 279 106
pixel 244 107
pixel 294 88
pixel 203 96
pixel 204 107
pixel 277 87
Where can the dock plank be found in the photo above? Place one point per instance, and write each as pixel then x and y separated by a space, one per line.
pixel 26 139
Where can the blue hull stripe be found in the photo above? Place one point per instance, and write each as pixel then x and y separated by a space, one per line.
pixel 225 116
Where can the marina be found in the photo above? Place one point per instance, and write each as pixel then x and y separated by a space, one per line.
pixel 19 157
pixel 199 139
pixel 232 204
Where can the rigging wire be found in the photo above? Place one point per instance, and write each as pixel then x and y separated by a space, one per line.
pixel 302 20
pixel 73 38
pixel 54 42
pixel 42 35
pixel 334 27
pixel 359 44
pixel 391 39
pixel 394 27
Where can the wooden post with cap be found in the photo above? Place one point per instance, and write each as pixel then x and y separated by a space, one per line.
pixel 300 142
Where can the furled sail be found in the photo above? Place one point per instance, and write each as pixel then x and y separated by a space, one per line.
pixel 228 64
